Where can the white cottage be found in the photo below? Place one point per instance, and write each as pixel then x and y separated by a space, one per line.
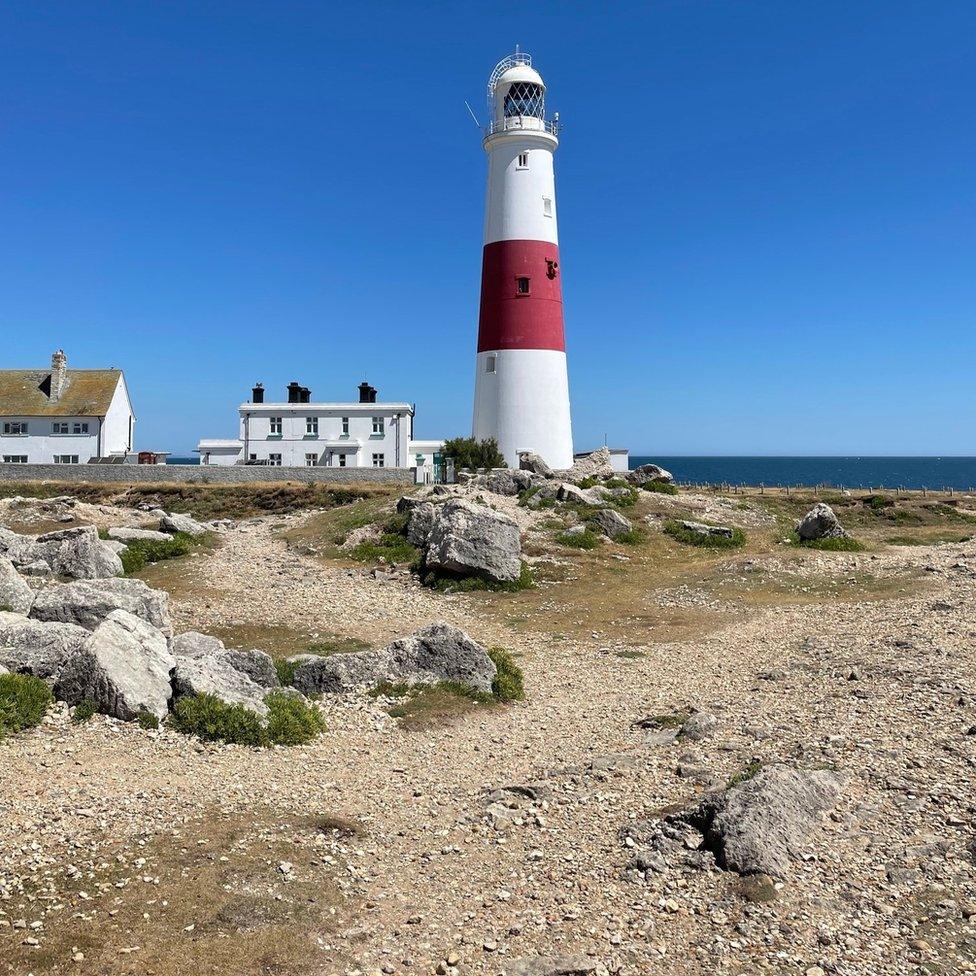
pixel 300 433
pixel 64 416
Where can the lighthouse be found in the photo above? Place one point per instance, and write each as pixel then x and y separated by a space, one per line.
pixel 521 393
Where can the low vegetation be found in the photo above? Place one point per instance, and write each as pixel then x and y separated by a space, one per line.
pixel 586 539
pixel 24 700
pixel 446 582
pixel 841 543
pixel 291 721
pixel 660 487
pixel 321 648
pixel 470 454
pixel 509 683
pixel 677 531
pixel 140 553
pixel 391 546
pixel 84 710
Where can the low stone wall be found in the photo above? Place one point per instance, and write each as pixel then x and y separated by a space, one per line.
pixel 199 474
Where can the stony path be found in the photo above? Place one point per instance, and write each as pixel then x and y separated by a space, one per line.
pixel 882 690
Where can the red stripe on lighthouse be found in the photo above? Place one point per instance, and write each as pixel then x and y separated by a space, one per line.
pixel 510 319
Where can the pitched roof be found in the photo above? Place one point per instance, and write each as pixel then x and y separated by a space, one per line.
pixel 86 393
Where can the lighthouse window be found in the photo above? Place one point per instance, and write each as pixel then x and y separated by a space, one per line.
pixel 547 206
pixel 522 286
pixel 523 160
pixel 490 364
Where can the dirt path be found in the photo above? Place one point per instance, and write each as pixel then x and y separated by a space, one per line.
pixel 879 689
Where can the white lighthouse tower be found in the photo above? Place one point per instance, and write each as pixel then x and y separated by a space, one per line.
pixel 521 393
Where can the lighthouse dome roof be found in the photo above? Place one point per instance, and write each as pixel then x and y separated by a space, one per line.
pixel 519 72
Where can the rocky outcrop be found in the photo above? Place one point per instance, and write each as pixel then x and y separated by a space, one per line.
pixel 435 653
pixel 420 521
pixel 646 473
pixel 192 643
pixel 256 665
pixel 532 462
pixel 15 594
pixel 706 531
pixel 574 495
pixel 122 533
pixel 610 523
pixel 174 523
pixel 75 553
pixel 41 649
pixel 124 668
pixel 820 523
pixel 215 675
pixel 594 465
pixel 474 540
pixel 88 602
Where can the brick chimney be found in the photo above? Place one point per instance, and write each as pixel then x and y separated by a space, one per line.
pixel 59 374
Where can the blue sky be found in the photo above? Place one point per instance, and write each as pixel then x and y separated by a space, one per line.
pixel 767 211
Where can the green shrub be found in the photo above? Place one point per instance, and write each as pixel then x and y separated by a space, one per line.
pixel 84 710
pixel 470 454
pixel 291 721
pixel 286 670
pixel 139 553
pixel 660 487
pixel 509 683
pixel 633 537
pixel 390 546
pixel 147 720
pixel 625 501
pixel 23 701
pixel 878 502
pixel 451 583
pixel 843 543
pixel 578 540
pixel 677 531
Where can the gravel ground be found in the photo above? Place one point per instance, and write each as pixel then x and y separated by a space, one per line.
pixel 450 875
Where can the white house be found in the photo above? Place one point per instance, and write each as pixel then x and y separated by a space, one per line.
pixel 300 433
pixel 64 416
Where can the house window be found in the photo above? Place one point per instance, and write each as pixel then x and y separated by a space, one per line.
pixel 15 428
pixel 523 160
pixel 311 460
pixel 491 363
pixel 379 460
pixel 58 428
pixel 342 460
pixel 65 458
pixel 79 428
pixel 522 286
pixel 547 206
pixel 311 426
pixel 345 426
pixel 274 460
pixel 252 457
pixel 15 459
pixel 378 426
pixel 275 427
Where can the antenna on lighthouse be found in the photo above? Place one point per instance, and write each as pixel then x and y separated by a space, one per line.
pixel 471 110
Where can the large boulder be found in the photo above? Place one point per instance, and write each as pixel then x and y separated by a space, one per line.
pixel 192 643
pixel 708 531
pixel 123 533
pixel 420 520
pixel 75 553
pixel 15 594
pixel 594 465
pixel 174 523
pixel 256 665
pixel 124 668
pixel 646 473
pixel 610 523
pixel 88 602
pixel 574 495
pixel 820 523
pixel 41 649
pixel 534 463
pixel 215 675
pixel 474 540
pixel 505 481
pixel 757 826
pixel 435 653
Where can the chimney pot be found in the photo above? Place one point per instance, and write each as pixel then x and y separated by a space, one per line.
pixel 257 393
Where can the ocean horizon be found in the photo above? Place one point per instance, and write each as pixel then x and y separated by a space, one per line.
pixel 936 473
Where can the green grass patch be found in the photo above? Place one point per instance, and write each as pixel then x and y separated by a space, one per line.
pixel 139 553
pixel 745 774
pixel 951 513
pixel 670 720
pixel 23 701
pixel 290 720
pixel 940 539
pixel 632 537
pixel 660 487
pixel 147 720
pixel 878 503
pixel 578 540
pixel 391 546
pixel 446 582
pixel 843 543
pixel 84 711
pixel 509 683
pixel 677 531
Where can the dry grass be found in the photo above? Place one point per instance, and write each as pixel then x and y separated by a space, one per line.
pixel 432 708
pixel 205 915
pixel 324 533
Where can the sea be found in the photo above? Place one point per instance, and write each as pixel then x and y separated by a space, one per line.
pixel 958 473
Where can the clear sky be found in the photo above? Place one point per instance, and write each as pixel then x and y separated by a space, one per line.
pixel 767 211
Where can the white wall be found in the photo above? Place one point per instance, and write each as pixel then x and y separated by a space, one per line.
pixel 115 437
pixel 524 403
pixel 41 444
pixel 358 447
pixel 514 209
pixel 219 456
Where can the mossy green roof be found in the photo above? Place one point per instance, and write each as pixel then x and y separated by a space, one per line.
pixel 86 393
